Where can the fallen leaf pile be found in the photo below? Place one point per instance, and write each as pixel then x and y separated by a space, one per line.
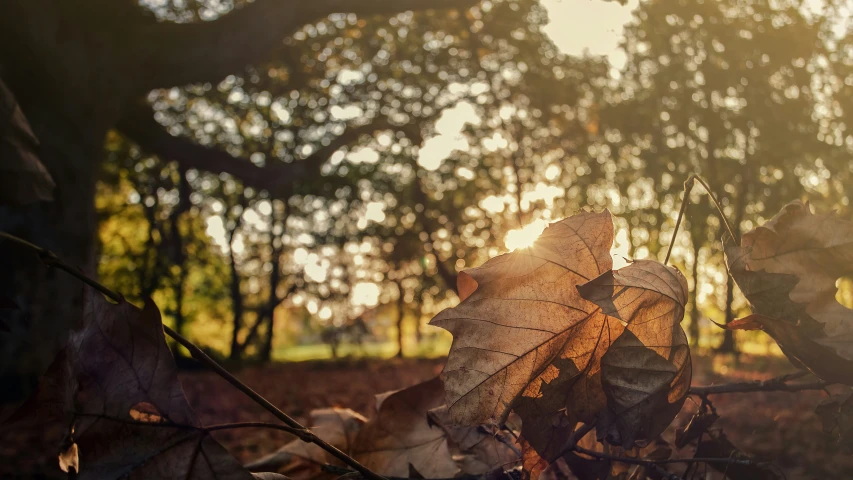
pixel 552 333
pixel 787 269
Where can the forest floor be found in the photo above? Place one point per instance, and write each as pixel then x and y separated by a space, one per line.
pixel 781 428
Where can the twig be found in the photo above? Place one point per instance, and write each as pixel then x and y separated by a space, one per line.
pixel 719 207
pixel 336 470
pixel 646 461
pixel 775 384
pixel 685 200
pixel 766 386
pixel 50 259
pixel 274 426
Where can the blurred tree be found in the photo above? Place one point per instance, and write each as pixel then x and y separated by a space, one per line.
pixel 77 69
pixel 725 89
pixel 348 101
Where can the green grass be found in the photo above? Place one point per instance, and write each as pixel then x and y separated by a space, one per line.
pixel 321 351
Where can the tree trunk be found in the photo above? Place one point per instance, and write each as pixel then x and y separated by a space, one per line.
pixel 695 314
pixel 236 300
pixel 48 299
pixel 400 315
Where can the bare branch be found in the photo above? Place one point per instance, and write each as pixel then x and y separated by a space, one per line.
pixel 747 387
pixel 178 54
pixel 777 384
pixel 277 178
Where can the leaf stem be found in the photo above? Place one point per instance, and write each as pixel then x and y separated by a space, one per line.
pixel 685 200
pixel 719 207
pixel 50 259
pixel 688 187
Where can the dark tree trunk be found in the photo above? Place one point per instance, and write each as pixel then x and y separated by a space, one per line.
pixel 48 299
pixel 728 344
pixel 237 309
pixel 695 314
pixel 401 311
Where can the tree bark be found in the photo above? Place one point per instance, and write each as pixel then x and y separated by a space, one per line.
pixel 401 314
pixel 695 314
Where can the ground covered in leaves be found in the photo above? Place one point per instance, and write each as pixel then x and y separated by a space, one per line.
pixel 778 427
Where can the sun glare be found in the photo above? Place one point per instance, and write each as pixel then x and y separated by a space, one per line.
pixel 525 237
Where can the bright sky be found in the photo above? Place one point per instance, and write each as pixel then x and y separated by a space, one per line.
pixel 588 25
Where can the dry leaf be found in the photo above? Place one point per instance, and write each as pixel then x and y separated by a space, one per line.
pixel 788 269
pixel 698 425
pixel 535 326
pixel 116 386
pixel 646 372
pixel 336 426
pixel 477 450
pixel 69 459
pixel 23 178
pixel 401 435
pixel 716 445
pixel 836 415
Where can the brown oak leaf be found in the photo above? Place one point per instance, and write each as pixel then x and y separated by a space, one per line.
pixel 787 269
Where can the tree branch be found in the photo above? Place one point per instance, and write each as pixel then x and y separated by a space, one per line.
pixel 178 54
pixel 277 178
pixel 776 384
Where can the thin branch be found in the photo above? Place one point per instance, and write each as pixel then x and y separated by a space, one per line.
pixel 719 207
pixel 341 471
pixel 276 177
pixel 273 426
pixel 178 54
pixel 50 259
pixel 646 462
pixel 685 200
pixel 772 385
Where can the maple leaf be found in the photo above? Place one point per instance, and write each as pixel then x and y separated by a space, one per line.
pixel 787 269
pixel 552 333
pixel 338 427
pixel 836 416
pixel 398 437
pixel 115 384
pixel 477 449
pixel 401 434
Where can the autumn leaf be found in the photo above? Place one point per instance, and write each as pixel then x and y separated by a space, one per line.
pixel 836 416
pixel 115 385
pixel 398 437
pixel 552 333
pixel 646 372
pixel 477 449
pixel 400 434
pixel 717 445
pixel 23 177
pixel 788 269
pixel 336 426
